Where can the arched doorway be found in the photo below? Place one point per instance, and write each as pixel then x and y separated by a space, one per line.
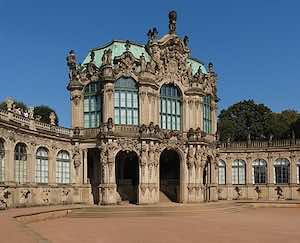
pixel 169 175
pixel 127 175
pixel 207 179
pixel 93 168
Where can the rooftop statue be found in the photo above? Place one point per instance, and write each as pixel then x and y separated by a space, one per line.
pixel 71 62
pixel 172 22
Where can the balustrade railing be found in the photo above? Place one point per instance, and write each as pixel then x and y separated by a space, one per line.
pixel 33 124
pixel 260 143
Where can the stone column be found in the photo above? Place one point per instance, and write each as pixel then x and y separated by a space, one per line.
pixel 143 108
pixel 271 177
pixel 31 164
pixel 183 197
pixel 77 108
pixel 157 110
pixel 9 162
pixel 85 166
pixel 108 188
pixel 214 117
pixel 198 113
pixel 52 167
pixel 293 169
pixel 229 178
pixel 185 115
pixel 108 101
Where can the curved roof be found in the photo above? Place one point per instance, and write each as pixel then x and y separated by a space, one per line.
pixel 118 48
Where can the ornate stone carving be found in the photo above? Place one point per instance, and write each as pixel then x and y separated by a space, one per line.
pixel 107 57
pixel 191 157
pixel 76 158
pixel 52 118
pixel 25 196
pixel 4 197
pixel 172 22
pixel 71 62
pixel 126 64
pixel 45 195
pixel 152 34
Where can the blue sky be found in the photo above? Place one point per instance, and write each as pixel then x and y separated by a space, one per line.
pixel 255 45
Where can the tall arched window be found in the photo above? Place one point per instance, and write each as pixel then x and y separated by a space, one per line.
pixel 207 120
pixel 20 163
pixel 63 167
pixel 222 172
pixel 92 105
pixel 126 102
pixel 298 172
pixel 239 172
pixel 259 171
pixel 170 107
pixel 2 154
pixel 282 171
pixel 41 170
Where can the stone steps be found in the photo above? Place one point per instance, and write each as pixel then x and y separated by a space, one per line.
pixel 155 211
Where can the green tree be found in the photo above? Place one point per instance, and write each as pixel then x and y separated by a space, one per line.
pixel 44 112
pixel 243 118
pixel 281 125
pixel 296 128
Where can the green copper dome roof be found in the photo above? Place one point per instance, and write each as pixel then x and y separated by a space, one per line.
pixel 118 48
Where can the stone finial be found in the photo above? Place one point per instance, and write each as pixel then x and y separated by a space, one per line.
pixel 172 22
pixel 127 45
pixel 186 40
pixel 52 118
pixel 9 103
pixel 31 112
pixel 210 67
pixel 152 34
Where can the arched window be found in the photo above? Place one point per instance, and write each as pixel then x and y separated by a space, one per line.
pixel 2 154
pixel 282 171
pixel 170 107
pixel 222 172
pixel 298 172
pixel 259 171
pixel 41 169
pixel 207 121
pixel 20 163
pixel 126 102
pixel 92 105
pixel 239 172
pixel 63 167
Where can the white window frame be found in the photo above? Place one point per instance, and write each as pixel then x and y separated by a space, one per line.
pixel 41 167
pixel 222 175
pixel 63 167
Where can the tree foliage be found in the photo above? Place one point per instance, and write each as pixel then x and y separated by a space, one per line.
pixel 282 124
pixel 243 118
pixel 247 117
pixel 44 112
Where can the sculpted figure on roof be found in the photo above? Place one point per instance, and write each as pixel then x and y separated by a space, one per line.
pixel 71 62
pixel 107 57
pixel 172 22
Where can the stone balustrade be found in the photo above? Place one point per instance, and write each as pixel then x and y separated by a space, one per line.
pixel 34 124
pixel 260 144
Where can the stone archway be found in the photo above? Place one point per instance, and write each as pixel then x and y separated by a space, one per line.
pixel 207 179
pixel 127 175
pixel 169 175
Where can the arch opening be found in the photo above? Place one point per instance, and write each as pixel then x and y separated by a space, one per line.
pixel 169 175
pixel 127 175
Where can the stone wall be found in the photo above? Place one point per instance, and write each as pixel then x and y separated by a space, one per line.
pixel 268 151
